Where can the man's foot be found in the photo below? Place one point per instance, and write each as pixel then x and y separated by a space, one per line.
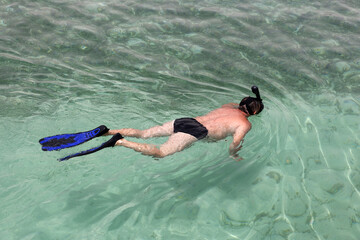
pixel 114 139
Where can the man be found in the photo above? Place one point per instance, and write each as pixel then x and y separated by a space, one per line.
pixel 230 119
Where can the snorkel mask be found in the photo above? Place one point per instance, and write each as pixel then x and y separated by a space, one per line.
pixel 246 101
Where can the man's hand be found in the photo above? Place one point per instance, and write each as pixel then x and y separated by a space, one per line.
pixel 234 149
pixel 236 157
pixel 233 152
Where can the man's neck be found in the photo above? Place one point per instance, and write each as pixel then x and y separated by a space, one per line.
pixel 244 113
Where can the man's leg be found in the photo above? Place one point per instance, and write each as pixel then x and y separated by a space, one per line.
pixel 176 143
pixel 158 131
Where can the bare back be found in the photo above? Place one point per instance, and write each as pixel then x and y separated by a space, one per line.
pixel 224 121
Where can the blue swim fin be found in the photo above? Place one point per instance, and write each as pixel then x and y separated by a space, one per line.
pixel 109 143
pixel 62 141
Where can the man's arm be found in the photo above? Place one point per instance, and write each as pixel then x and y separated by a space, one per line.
pixel 238 137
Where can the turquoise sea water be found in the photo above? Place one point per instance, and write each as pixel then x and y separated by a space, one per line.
pixel 68 66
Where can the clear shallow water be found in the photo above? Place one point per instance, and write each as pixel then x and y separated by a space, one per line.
pixel 67 66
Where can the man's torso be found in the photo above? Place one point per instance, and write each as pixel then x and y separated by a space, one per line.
pixel 223 122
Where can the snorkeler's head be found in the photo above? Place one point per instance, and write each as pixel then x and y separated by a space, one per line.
pixel 252 105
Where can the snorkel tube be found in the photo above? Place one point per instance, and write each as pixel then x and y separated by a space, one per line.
pixel 255 90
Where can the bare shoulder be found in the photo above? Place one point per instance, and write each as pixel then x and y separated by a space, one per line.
pixel 230 105
pixel 245 125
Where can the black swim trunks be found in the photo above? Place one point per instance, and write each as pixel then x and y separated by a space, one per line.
pixel 190 126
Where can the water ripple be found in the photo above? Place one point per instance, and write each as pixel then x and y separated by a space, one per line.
pixel 65 66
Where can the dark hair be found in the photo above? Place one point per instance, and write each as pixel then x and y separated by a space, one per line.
pixel 251 105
